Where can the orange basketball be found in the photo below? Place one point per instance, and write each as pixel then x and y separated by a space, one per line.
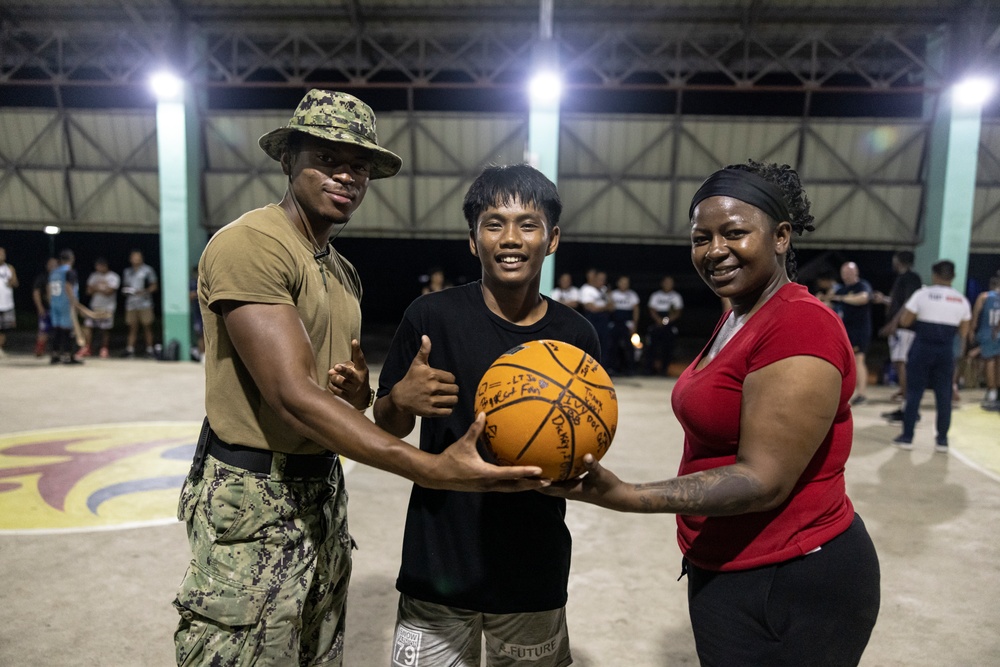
pixel 547 404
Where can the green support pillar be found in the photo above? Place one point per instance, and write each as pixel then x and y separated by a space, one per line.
pixel 952 162
pixel 181 235
pixel 543 118
pixel 543 147
pixel 951 189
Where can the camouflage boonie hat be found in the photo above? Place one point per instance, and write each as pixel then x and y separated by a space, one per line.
pixel 338 117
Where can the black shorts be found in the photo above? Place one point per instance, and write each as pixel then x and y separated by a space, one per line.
pixel 817 609
pixel 860 337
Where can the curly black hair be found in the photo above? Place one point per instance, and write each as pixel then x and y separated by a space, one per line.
pixel 787 179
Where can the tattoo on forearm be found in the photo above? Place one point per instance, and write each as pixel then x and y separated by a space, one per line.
pixel 717 492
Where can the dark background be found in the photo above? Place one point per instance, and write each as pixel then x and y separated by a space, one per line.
pixel 392 271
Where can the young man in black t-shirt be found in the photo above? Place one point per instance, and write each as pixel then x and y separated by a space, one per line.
pixel 900 340
pixel 477 564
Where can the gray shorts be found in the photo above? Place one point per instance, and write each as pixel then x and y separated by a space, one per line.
pixel 7 319
pixel 433 635
pixel 900 343
pixel 102 323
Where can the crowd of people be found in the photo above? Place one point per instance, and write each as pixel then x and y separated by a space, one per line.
pixel 627 347
pixel 75 318
pixel 932 333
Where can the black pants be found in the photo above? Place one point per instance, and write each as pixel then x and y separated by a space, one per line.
pixel 62 341
pixel 660 352
pixel 929 365
pixel 814 610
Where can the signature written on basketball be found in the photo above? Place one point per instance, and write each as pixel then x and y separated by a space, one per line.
pixel 494 394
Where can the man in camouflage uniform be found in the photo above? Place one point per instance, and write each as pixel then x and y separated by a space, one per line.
pixel 286 390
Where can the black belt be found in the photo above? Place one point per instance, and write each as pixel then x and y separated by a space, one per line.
pixel 252 459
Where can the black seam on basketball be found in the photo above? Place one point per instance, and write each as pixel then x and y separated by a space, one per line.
pixel 555 406
pixel 548 349
pixel 541 424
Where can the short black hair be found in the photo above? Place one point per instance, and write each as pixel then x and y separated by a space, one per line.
pixel 787 180
pixel 944 268
pixel 65 255
pixel 500 185
pixel 905 257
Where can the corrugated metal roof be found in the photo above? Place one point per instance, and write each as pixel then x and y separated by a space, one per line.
pixel 621 177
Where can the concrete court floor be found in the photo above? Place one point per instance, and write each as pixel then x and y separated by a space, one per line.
pixel 103 598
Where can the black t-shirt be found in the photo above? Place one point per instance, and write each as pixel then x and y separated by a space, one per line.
pixel 42 285
pixel 857 319
pixel 902 289
pixel 499 553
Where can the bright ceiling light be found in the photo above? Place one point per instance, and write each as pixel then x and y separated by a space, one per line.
pixel 973 91
pixel 51 230
pixel 166 85
pixel 545 87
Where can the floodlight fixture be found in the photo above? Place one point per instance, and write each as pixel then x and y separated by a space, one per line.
pixel 973 91
pixel 545 87
pixel 166 85
pixel 51 230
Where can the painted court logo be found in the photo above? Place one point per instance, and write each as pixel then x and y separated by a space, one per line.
pixel 94 477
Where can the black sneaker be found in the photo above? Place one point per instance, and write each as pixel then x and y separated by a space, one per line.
pixel 72 361
pixel 896 416
pixel 903 442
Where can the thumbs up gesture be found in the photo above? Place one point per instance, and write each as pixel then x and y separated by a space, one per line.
pixel 425 391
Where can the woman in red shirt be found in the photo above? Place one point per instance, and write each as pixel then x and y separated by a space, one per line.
pixel 781 571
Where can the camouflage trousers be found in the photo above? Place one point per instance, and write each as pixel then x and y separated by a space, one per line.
pixel 267 584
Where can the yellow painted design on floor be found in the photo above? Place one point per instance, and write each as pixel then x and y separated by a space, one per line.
pixel 975 433
pixel 95 477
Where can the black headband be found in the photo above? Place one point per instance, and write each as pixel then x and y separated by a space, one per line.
pixel 747 187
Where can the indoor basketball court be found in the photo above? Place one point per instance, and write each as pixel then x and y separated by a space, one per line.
pixel 92 554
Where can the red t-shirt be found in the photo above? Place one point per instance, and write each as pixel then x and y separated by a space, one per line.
pixel 707 405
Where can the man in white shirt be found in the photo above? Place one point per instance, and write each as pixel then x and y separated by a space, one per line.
pixel 139 283
pixel 8 281
pixel 565 292
pixel 597 307
pixel 102 286
pixel 665 307
pixel 936 313
pixel 624 318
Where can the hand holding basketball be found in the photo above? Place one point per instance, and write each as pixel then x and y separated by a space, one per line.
pixel 596 486
pixel 461 468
